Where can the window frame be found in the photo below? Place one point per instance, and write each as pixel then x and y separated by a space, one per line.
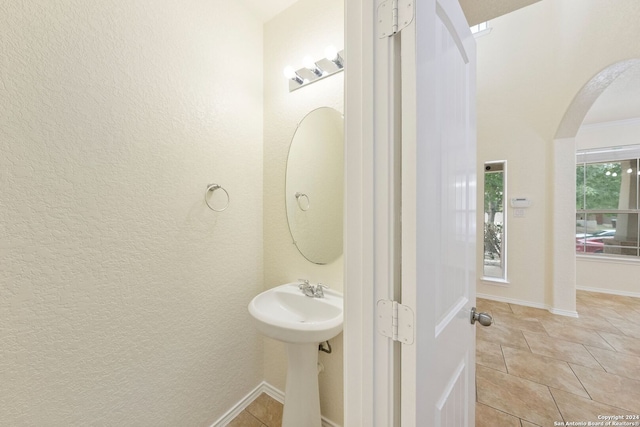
pixel 603 156
pixel 504 240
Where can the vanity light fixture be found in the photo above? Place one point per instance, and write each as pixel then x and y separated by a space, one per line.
pixel 309 64
pixel 315 70
pixel 291 74
pixel 332 54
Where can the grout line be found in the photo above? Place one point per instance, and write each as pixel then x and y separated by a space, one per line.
pixel 499 410
pixel 535 381
pixel 525 340
pixel 592 355
pixel 605 340
pixel 556 403
pixel 579 380
pixel 259 420
pixel 504 359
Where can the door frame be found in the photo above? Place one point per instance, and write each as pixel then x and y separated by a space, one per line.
pixel 369 379
pixel 370 361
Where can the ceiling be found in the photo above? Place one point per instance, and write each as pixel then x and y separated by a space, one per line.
pixel 476 11
pixel 620 101
pixel 267 9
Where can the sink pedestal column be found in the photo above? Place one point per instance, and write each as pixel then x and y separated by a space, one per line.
pixel 302 395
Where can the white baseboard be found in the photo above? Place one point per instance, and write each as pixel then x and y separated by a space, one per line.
pixel 609 291
pixel 567 313
pixel 328 423
pixel 240 406
pixel 263 387
pixel 512 301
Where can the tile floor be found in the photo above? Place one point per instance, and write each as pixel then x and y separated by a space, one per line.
pixel 535 368
pixel 265 411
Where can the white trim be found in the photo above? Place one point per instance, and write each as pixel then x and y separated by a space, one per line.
pixel 494 281
pixel 505 227
pixel 240 406
pixel 268 389
pixel 550 309
pixel 359 317
pixel 609 291
pixel 512 301
pixel 625 122
pixel 611 259
pixel 567 313
pixel 482 33
pixel 273 392
pixel 328 423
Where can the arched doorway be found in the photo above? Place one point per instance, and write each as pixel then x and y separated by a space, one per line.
pixel 563 297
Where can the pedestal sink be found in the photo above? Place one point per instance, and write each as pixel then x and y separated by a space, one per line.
pixel 286 314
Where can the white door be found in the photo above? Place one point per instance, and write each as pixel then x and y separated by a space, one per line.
pixel 410 214
pixel 438 216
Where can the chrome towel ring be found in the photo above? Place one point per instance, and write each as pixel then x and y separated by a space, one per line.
pixel 300 204
pixel 211 188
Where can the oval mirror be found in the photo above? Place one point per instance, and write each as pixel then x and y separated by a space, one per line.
pixel 314 185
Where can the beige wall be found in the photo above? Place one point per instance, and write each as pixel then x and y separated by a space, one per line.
pixel 530 67
pixel 122 297
pixel 305 28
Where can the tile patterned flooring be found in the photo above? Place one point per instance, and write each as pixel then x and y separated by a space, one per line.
pixel 535 368
pixel 265 411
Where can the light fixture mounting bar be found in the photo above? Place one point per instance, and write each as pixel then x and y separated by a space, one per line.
pixel 327 67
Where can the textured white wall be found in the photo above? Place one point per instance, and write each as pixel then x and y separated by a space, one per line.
pixel 530 67
pixel 122 297
pixel 305 28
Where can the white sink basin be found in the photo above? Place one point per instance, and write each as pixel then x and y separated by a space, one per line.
pixel 286 314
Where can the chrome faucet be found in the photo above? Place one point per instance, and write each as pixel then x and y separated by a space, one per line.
pixel 312 291
pixel 319 293
pixel 306 288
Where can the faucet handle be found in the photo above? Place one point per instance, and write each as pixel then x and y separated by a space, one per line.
pixel 304 283
pixel 318 292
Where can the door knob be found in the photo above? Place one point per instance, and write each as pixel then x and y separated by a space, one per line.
pixel 485 319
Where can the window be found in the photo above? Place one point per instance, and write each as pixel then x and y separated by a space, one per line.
pixel 480 29
pixel 494 221
pixel 607 210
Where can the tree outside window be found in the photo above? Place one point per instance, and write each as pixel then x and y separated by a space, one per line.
pixel 607 202
pixel 494 220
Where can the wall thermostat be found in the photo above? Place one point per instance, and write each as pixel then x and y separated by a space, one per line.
pixel 520 202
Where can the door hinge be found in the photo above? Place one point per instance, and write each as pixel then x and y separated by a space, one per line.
pixel 395 321
pixel 393 16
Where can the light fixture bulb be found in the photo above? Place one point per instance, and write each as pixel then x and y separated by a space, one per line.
pixel 629 170
pixel 289 72
pixel 614 174
pixel 331 53
pixel 608 173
